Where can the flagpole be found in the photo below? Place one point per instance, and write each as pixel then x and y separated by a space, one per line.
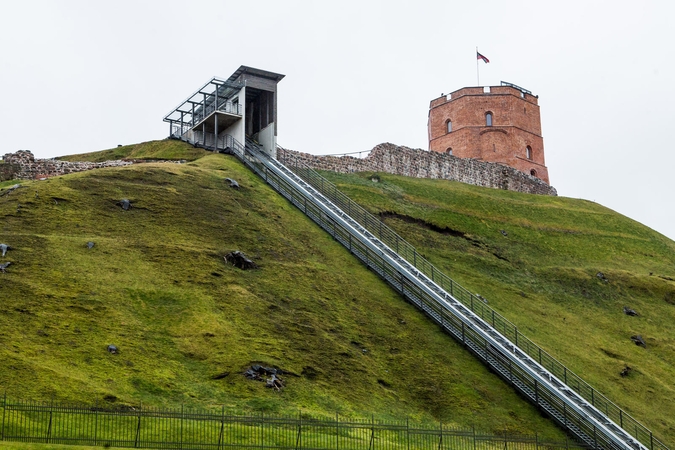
pixel 477 72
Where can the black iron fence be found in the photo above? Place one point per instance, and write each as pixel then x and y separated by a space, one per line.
pixel 186 428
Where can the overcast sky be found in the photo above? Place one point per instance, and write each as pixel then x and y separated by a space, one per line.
pixel 80 76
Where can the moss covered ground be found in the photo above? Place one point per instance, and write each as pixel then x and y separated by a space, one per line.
pixel 188 325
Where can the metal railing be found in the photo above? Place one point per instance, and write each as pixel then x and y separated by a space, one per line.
pixel 179 127
pixel 225 143
pixel 518 367
pixel 186 428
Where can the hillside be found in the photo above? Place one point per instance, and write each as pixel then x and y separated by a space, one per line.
pixel 561 269
pixel 188 325
pixel 155 285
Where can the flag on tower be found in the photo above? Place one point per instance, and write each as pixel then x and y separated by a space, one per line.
pixel 479 56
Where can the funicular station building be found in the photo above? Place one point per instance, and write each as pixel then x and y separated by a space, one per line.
pixel 224 113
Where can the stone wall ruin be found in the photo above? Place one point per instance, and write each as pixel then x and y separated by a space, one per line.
pixel 418 163
pixel 22 165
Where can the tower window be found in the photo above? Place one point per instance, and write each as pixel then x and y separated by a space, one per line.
pixel 449 151
pixel 533 173
pixel 528 152
pixel 448 124
pixel 488 119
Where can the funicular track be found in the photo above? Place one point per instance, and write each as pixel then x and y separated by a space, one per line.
pixel 558 392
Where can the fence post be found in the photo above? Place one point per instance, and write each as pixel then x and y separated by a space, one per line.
pixel 298 440
pixel 182 406
pixel 440 432
pixel 49 428
pixel 407 433
pixel 96 424
pixel 138 429
pixel 372 433
pixel 337 431
pixel 4 411
pixel 222 427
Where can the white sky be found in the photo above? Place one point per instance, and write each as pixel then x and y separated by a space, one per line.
pixel 79 76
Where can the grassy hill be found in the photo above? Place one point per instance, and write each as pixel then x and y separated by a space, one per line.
pixel 561 269
pixel 155 284
pixel 188 325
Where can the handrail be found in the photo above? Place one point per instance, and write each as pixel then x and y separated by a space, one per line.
pixel 477 306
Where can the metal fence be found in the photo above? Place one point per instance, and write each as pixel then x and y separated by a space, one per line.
pixel 201 429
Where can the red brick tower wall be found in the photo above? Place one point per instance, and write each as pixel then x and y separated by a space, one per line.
pixel 516 126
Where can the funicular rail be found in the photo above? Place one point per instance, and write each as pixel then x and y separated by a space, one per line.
pixel 550 394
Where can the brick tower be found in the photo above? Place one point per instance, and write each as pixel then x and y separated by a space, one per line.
pixel 496 124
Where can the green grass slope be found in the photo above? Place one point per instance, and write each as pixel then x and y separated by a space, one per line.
pixel 166 150
pixel 187 325
pixel 542 274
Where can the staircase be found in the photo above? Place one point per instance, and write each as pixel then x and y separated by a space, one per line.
pixel 564 396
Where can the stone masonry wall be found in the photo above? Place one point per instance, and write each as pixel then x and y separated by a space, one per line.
pixel 398 160
pixel 22 165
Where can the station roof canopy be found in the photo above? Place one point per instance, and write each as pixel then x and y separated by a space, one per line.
pixel 256 72
pixel 225 88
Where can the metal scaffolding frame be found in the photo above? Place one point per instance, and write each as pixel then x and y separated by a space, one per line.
pixel 215 95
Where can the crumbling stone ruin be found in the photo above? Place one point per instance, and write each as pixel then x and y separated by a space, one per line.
pixel 22 165
pixel 418 163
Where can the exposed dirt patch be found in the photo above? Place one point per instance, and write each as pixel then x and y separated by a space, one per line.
pixel 424 224
pixel 446 231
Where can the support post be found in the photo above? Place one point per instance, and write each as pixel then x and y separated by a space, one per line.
pixel 215 121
